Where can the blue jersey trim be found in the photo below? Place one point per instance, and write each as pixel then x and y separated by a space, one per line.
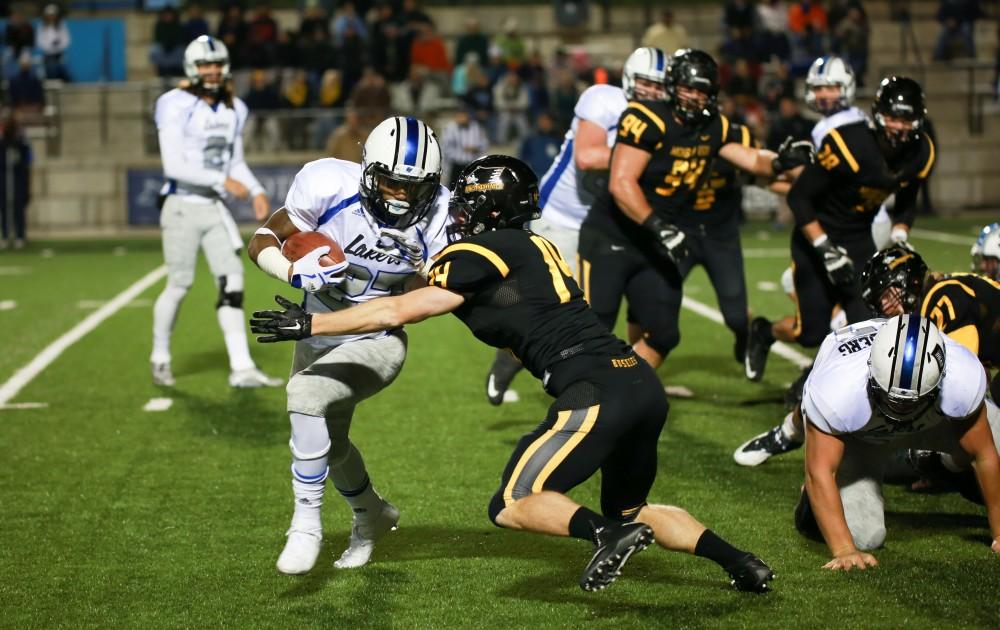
pixel 332 211
pixel 550 183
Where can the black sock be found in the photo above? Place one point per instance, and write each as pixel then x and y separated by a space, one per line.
pixel 584 521
pixel 717 550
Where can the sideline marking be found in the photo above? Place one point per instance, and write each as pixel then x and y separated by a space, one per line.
pixel 7 305
pixel 158 404
pixel 25 405
pixel 51 352
pixel 782 350
pixel 944 237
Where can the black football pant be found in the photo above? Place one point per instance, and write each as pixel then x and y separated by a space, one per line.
pixel 607 416
pixel 817 295
pixel 611 268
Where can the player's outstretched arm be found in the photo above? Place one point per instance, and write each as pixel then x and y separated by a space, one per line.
pixel 627 165
pixel 978 442
pixel 823 455
pixel 376 315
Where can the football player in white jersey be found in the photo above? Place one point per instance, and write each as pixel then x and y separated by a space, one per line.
pixel 579 173
pixel 986 252
pixel 877 386
pixel 200 127
pixel 390 216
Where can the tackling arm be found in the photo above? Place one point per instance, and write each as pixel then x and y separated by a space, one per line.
pixel 977 441
pixel 750 159
pixel 388 312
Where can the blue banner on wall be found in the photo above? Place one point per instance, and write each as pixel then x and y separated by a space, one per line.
pixel 144 184
pixel 96 50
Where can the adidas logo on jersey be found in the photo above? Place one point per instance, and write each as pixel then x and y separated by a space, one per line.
pixel 358 212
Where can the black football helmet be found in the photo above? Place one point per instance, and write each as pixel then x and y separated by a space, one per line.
pixel 894 267
pixel 899 97
pixel 695 69
pixel 492 193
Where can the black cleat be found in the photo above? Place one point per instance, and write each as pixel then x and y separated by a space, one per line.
pixel 505 367
pixel 614 548
pixel 758 347
pixel 805 520
pixel 935 476
pixel 750 574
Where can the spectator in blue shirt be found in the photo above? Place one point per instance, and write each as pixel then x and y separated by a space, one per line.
pixel 541 147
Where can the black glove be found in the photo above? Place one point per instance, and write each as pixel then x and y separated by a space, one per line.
pixel 793 153
pixel 668 239
pixel 287 325
pixel 839 268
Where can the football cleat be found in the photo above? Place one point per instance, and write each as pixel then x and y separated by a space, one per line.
pixel 760 448
pixel 365 533
pixel 614 548
pixel 252 377
pixel 300 552
pixel 505 367
pixel 162 375
pixel 758 347
pixel 750 574
pixel 936 477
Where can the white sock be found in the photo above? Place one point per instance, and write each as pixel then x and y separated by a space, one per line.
pixel 233 325
pixel 164 316
pixel 790 431
pixel 308 501
pixel 310 444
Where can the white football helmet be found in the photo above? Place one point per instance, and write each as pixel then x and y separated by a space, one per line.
pixel 205 49
pixel 906 367
pixel 986 252
pixel 401 171
pixel 827 71
pixel 645 63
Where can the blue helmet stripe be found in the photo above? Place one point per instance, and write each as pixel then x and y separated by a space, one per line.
pixel 909 351
pixel 211 44
pixel 822 65
pixel 659 60
pixel 412 140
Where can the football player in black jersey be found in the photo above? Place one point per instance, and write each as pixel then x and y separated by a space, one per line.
pixel 660 219
pixel 964 306
pixel 513 290
pixel 834 202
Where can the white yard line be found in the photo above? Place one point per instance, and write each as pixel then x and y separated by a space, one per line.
pixel 158 404
pixel 45 358
pixel 943 237
pixel 782 350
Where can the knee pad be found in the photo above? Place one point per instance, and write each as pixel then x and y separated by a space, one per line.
pixel 662 339
pixel 310 437
pixel 230 291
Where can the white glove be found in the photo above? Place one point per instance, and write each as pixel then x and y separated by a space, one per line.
pixel 396 243
pixel 308 274
pixel 899 236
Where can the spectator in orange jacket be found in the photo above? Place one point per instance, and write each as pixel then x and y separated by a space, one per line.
pixel 807 15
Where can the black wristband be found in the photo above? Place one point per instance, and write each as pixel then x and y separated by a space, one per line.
pixel 656 224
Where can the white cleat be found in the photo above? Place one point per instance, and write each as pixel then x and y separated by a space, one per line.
pixel 162 375
pixel 252 377
pixel 300 552
pixel 364 534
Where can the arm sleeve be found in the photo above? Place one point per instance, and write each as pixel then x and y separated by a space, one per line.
pixel 466 267
pixel 238 169
pixel 905 209
pixel 170 119
pixel 640 127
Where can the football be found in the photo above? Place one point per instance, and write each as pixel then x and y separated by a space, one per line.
pixel 301 243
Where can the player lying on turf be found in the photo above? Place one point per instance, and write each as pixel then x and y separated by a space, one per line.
pixel 877 386
pixel 512 289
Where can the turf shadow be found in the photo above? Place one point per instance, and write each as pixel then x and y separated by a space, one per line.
pixel 246 415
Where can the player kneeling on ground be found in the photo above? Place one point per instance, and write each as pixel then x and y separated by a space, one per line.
pixel 877 386
pixel 512 289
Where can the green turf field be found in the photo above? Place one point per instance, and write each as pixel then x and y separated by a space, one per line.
pixel 112 516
